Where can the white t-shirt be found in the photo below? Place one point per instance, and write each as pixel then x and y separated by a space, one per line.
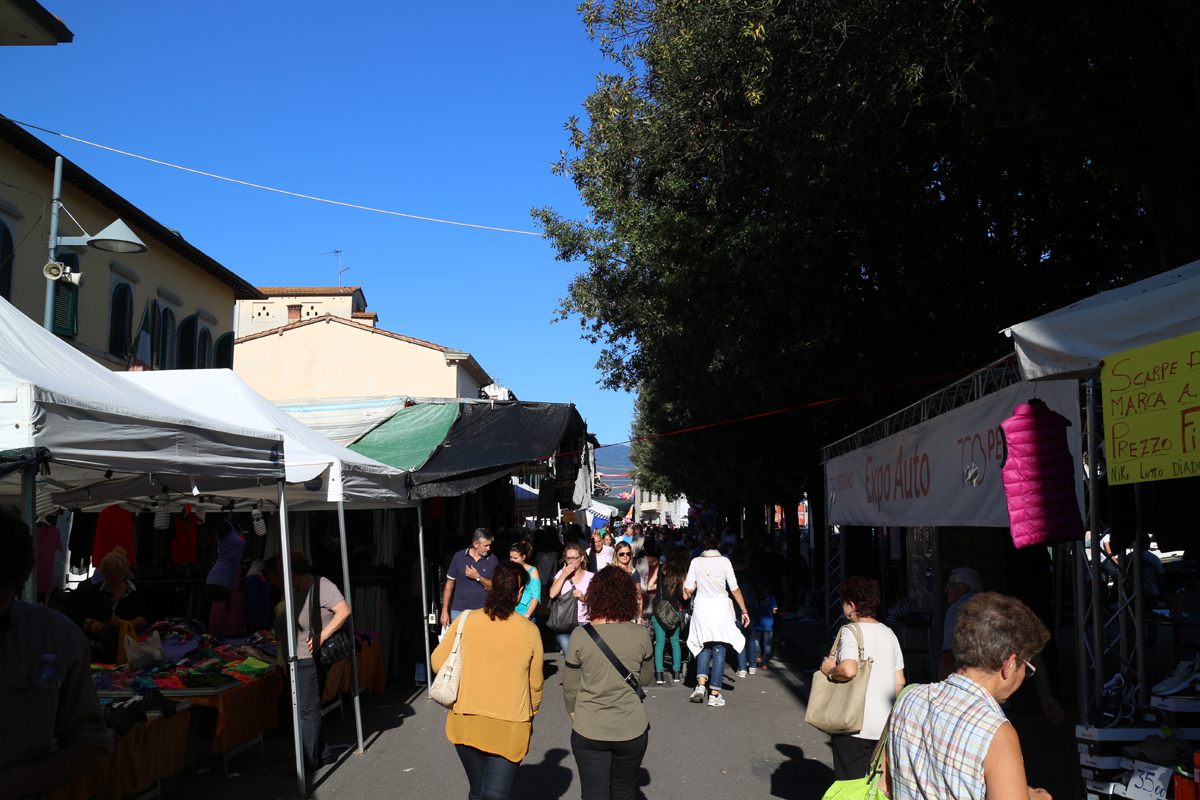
pixel 880 644
pixel 722 575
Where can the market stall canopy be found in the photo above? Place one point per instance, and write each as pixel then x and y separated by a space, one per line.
pixel 1071 341
pixel 487 441
pixel 408 439
pixel 620 505
pixel 93 421
pixel 344 420
pixel 321 472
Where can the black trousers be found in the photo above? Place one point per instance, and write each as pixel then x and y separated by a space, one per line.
pixel 608 770
pixel 310 683
pixel 851 757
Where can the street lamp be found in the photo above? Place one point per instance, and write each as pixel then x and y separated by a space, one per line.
pixel 116 238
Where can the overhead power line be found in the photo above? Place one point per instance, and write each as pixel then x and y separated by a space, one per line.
pixel 269 188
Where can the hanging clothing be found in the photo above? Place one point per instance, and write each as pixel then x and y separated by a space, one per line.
pixel 49 542
pixel 228 618
pixel 114 528
pixel 230 543
pixel 1039 477
pixel 183 546
pixel 83 532
pixel 258 603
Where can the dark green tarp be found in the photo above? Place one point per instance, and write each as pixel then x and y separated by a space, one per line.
pixel 411 435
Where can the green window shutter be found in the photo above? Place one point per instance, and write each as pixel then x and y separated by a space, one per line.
pixel 66 300
pixel 7 252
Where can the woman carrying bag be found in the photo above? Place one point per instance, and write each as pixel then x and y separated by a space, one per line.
pixel 570 582
pixel 879 661
pixel 499 686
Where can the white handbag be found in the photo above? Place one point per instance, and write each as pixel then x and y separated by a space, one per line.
pixel 445 686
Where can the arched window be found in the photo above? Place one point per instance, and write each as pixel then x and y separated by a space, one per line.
pixel 120 321
pixel 223 352
pixel 166 340
pixel 187 343
pixel 66 300
pixel 204 349
pixel 7 251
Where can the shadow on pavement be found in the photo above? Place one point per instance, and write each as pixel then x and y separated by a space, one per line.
pixel 547 780
pixel 799 778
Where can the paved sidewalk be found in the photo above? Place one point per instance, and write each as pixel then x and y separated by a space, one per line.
pixel 755 746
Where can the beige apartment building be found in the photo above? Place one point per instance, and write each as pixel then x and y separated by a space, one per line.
pixel 187 296
pixel 321 343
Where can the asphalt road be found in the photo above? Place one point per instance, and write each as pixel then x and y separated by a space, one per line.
pixel 757 745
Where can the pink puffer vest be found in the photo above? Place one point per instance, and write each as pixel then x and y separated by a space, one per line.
pixel 1039 477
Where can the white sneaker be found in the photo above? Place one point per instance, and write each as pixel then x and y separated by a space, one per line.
pixel 741 673
pixel 752 670
pixel 697 694
pixel 716 700
pixel 1184 673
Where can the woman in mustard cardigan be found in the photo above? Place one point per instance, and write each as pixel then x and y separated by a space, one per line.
pixel 499 689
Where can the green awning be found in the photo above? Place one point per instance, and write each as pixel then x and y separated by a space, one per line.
pixel 407 439
pixel 622 506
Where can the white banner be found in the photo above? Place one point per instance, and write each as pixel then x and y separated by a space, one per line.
pixel 945 471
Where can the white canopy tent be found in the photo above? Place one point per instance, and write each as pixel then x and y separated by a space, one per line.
pixel 1071 341
pixel 322 475
pixel 63 413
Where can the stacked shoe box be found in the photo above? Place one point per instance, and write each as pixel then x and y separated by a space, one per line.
pixel 1102 764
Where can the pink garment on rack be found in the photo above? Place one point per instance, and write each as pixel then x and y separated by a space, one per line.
pixel 1039 477
pixel 228 619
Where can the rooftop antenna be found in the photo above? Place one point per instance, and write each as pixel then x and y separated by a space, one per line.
pixel 340 270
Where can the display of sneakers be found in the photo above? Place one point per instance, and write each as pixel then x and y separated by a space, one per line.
pixel 1185 672
pixel 1164 752
pixel 716 700
pixel 1113 696
pixel 697 694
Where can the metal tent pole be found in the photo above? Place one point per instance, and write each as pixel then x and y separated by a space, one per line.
pixel 424 597
pixel 289 604
pixel 1094 513
pixel 353 650
pixel 29 491
pixel 1081 649
pixel 1139 605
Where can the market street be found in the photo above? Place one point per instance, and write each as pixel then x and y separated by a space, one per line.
pixel 755 746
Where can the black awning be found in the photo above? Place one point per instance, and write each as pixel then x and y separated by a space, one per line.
pixel 489 440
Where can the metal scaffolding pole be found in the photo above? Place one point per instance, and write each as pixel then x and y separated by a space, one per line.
pixel 289 604
pixel 425 606
pixel 341 510
pixel 1094 513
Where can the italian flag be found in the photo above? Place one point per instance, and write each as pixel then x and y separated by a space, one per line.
pixel 142 344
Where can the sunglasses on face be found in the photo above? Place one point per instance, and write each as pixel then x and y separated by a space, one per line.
pixel 624 555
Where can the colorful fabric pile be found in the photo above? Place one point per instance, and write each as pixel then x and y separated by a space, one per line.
pixel 195 660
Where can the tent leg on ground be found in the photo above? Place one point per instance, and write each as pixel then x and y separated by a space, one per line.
pixel 289 603
pixel 28 491
pixel 424 598
pixel 341 509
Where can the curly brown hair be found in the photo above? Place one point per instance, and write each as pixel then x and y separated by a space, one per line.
pixel 508 581
pixel 863 592
pixel 991 627
pixel 612 595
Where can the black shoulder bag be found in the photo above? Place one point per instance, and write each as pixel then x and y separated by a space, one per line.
pixel 630 679
pixel 337 646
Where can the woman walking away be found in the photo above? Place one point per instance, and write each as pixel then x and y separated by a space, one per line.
pixel 860 603
pixel 670 577
pixel 519 553
pixel 574 578
pixel 609 731
pixel 951 739
pixel 499 689
pixel 713 625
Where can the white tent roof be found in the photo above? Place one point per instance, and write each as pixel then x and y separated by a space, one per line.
pixel 323 472
pixel 92 421
pixel 1071 341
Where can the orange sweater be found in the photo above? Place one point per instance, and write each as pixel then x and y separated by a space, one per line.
pixel 500 683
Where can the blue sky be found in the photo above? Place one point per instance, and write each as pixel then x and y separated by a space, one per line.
pixel 454 112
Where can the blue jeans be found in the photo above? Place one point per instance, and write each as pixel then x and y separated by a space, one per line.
pixel 714 652
pixel 764 644
pixel 749 649
pixel 563 640
pixel 491 776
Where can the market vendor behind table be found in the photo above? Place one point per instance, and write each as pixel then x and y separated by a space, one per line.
pixel 53 729
pixel 107 605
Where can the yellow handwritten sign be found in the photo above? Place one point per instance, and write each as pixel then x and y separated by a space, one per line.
pixel 1151 401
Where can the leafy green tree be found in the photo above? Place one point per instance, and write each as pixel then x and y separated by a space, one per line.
pixel 797 201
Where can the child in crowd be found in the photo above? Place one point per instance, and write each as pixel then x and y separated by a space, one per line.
pixel 764 627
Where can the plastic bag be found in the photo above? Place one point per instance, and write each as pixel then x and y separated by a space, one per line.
pixel 145 654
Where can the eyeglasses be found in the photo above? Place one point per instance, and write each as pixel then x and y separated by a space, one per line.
pixel 624 555
pixel 1030 669
pixel 573 558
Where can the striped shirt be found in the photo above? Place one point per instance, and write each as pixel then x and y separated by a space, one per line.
pixel 938 740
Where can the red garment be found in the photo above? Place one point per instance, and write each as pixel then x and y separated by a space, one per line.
pixel 49 541
pixel 114 528
pixel 183 546
pixel 1039 477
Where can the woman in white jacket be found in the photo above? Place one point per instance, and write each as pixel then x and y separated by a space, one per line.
pixel 713 624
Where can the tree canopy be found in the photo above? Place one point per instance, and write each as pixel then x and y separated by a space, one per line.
pixel 797 201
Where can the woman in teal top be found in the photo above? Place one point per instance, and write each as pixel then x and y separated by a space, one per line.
pixel 519 553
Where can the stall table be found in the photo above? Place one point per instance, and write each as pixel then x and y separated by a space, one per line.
pixel 155 749
pixel 370 673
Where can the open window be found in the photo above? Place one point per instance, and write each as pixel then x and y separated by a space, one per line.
pixel 223 352
pixel 120 320
pixel 204 349
pixel 187 343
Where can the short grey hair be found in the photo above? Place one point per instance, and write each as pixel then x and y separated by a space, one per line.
pixel 968 576
pixel 482 535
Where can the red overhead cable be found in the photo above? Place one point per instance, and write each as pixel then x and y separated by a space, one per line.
pixel 770 413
